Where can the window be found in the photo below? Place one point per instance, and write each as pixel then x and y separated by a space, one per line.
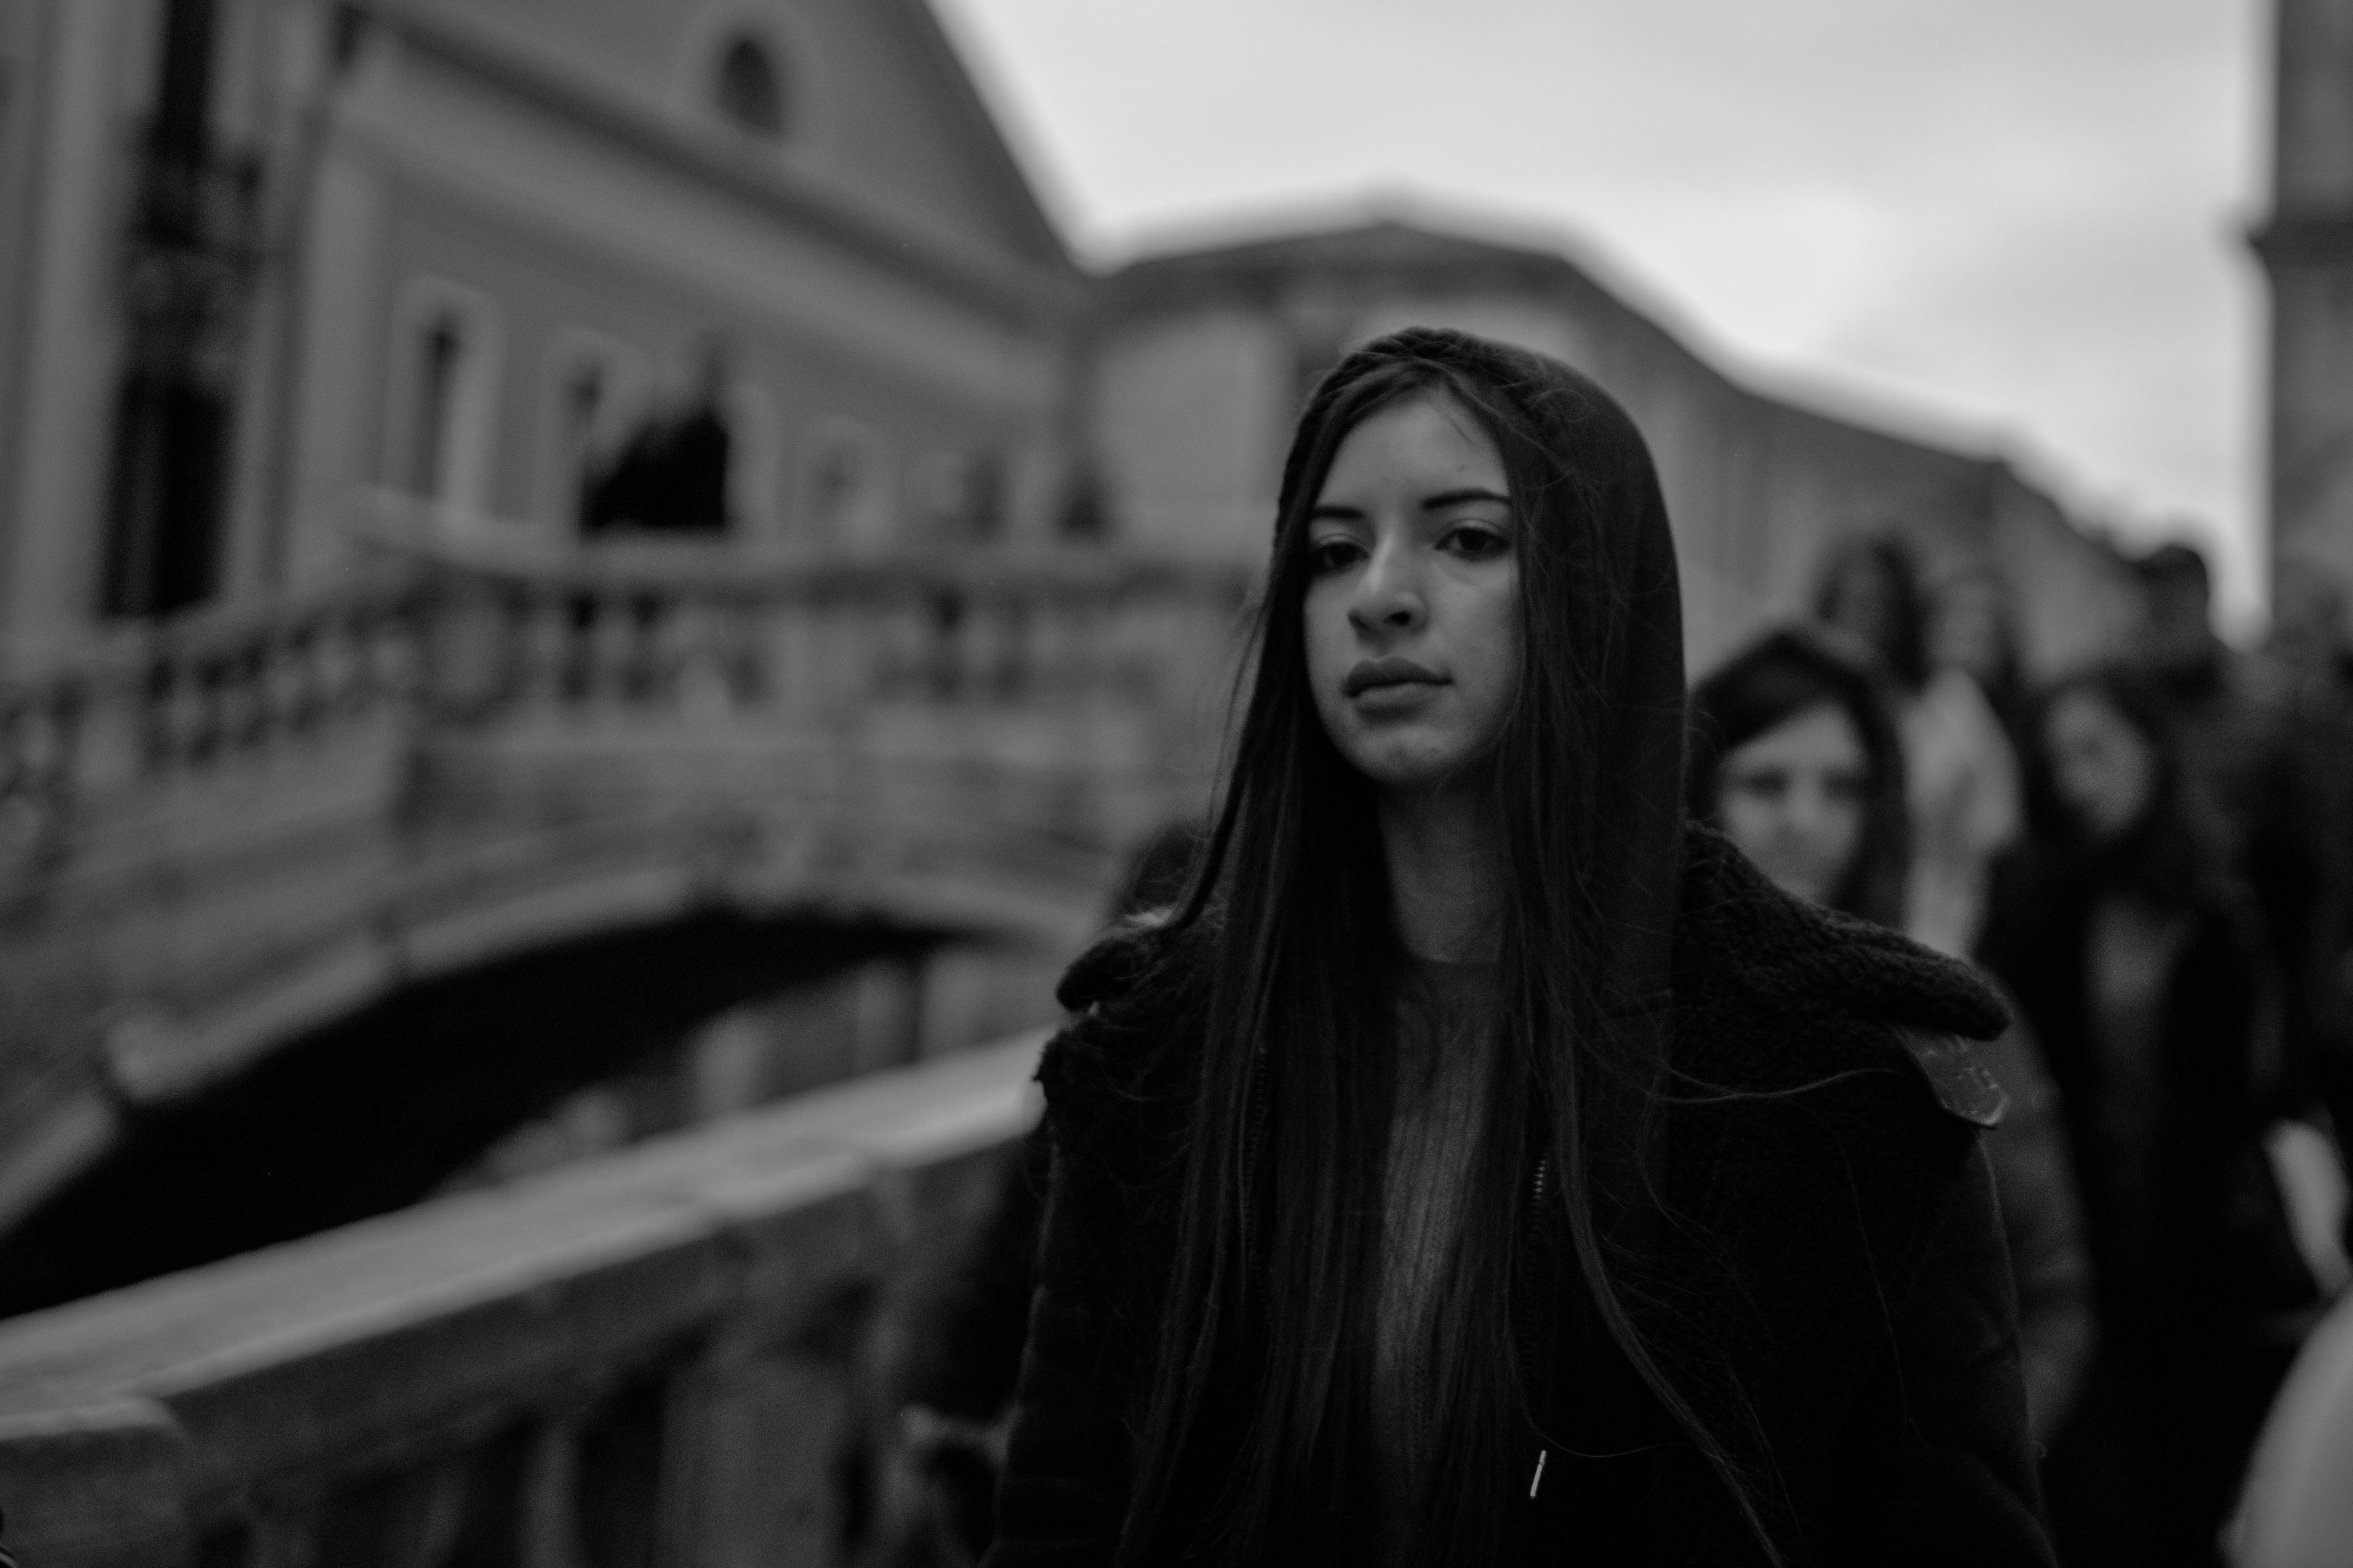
pixel 443 413
pixel 437 396
pixel 592 398
pixel 749 89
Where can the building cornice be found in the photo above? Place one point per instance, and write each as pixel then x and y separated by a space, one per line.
pixel 877 231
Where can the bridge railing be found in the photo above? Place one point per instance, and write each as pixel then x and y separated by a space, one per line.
pixel 653 1358
pixel 457 625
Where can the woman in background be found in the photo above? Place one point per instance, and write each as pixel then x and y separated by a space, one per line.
pixel 2140 963
pixel 1961 774
pixel 1794 756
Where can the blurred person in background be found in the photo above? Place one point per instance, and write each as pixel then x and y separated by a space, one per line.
pixel 1972 628
pixel 2138 961
pixel 939 1503
pixel 2311 646
pixel 1961 774
pixel 1794 756
pixel 2245 770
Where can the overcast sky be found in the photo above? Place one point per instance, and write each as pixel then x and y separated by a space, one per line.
pixel 2012 223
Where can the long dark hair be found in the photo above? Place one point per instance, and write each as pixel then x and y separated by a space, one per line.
pixel 1271 1301
pixel 1786 673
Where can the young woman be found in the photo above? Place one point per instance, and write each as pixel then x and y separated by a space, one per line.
pixel 1794 756
pixel 2140 965
pixel 1962 770
pixel 1478 1167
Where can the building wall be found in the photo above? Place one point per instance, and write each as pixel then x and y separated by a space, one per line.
pixel 1204 360
pixel 881 278
pixel 2307 249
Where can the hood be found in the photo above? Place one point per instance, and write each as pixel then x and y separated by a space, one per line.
pixel 1782 953
pixel 1637 654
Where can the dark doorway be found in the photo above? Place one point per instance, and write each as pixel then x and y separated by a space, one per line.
pixel 170 446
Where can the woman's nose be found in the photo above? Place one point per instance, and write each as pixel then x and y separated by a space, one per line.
pixel 1388 595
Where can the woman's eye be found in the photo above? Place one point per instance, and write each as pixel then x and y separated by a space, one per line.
pixel 1326 555
pixel 1476 541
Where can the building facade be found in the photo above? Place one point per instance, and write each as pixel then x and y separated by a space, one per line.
pixel 2306 248
pixel 259 256
pixel 1204 358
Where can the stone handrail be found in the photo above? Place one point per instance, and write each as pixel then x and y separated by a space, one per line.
pixel 459 625
pixel 645 1353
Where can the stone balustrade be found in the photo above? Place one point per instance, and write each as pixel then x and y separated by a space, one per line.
pixel 649 1358
pixel 464 628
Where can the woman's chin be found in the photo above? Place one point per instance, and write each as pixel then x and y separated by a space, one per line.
pixel 1408 769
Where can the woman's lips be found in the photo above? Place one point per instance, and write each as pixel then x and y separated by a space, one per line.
pixel 1386 674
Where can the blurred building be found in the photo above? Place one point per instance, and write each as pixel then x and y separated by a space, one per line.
pixel 2306 248
pixel 255 254
pixel 1205 356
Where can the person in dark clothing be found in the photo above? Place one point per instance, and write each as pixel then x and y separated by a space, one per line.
pixel 2235 728
pixel 1794 755
pixel 966 1347
pixel 2140 965
pixel 1481 1166
pixel 671 476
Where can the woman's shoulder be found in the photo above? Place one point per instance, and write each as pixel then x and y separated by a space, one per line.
pixel 1132 995
pixel 1774 993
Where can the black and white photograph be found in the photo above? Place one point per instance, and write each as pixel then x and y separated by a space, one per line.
pixel 1097 783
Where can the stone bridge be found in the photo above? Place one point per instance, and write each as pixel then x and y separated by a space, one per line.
pixel 668 1357
pixel 303 905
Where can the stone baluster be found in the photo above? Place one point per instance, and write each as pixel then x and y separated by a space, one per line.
pixel 990 648
pixel 548 1506
pixel 183 705
pixel 541 627
pixel 391 659
pixel 693 640
pixel 107 747
pixel 245 695
pixel 833 650
pixel 610 647
pixel 290 678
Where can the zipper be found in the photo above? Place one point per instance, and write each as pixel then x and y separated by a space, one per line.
pixel 1536 1220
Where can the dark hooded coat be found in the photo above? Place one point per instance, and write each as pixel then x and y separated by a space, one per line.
pixel 1814 1259
pixel 1841 1303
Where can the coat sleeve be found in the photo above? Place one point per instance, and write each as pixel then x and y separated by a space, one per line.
pixel 1063 1494
pixel 1943 1474
pixel 2043 1221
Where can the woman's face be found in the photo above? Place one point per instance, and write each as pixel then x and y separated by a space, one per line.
pixel 1412 608
pixel 1793 799
pixel 2101 766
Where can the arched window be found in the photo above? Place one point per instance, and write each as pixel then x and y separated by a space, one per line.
pixel 750 89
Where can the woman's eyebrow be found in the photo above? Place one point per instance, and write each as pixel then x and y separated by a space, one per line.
pixel 1456 497
pixel 1340 513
